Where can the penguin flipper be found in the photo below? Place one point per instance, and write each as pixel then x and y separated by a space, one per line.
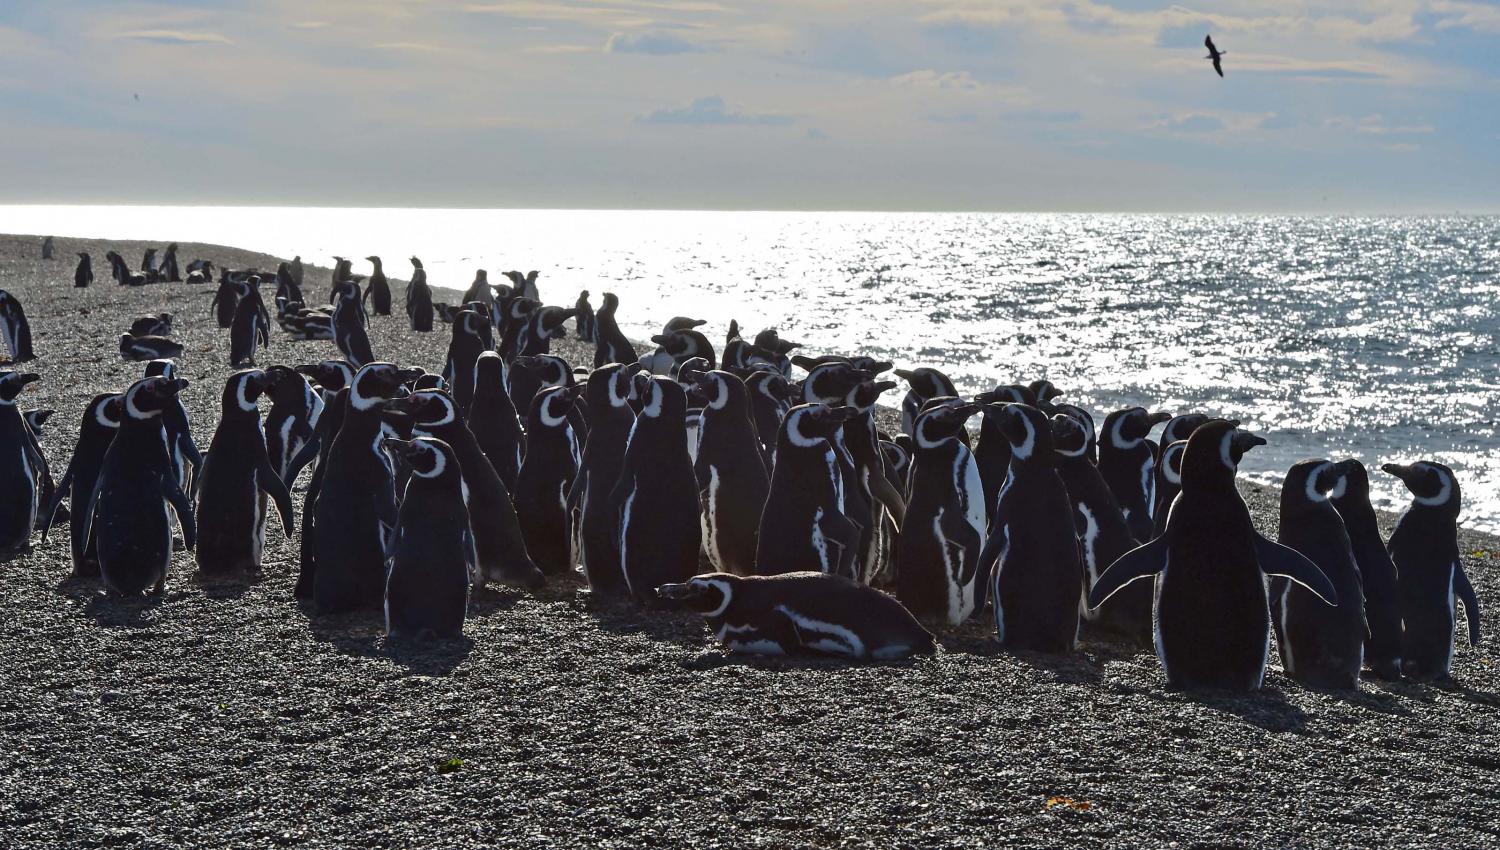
pixel 272 484
pixel 1466 594
pixel 1278 560
pixel 305 455
pixel 881 489
pixel 61 490
pixel 1140 562
pixel 184 509
pixel 960 537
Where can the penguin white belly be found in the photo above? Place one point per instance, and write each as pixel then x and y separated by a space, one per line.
pixel 824 636
pixel 625 536
pixel 709 520
pixel 1148 482
pixel 820 543
pixel 1090 559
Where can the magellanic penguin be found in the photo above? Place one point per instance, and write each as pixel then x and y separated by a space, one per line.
pixel 183 451
pixel 542 326
pixel 1424 548
pixel 1168 484
pixel 514 316
pixel 926 383
pixel 611 345
pixel 732 478
pixel 803 527
pixel 19 465
pixel 157 325
pixel 226 299
pixel 525 284
pixel 583 319
pixel 992 450
pixel 250 329
pixel 771 396
pixel 378 288
pixel 349 324
pixel 546 476
pixel 136 484
pixel 419 299
pixel 144 348
pixel 1212 624
pixel 101 421
pixel 479 290
pixel 16 329
pixel 658 495
pixel 1382 589
pixel 236 479
pixel 295 410
pixel 1032 556
pixel 432 549
pixel 806 612
pixel 1128 464
pixel 609 391
pixel 493 419
pixel 1319 647
pixel 939 545
pixel 83 276
pixel 464 349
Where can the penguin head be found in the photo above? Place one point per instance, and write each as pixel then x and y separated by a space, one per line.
pixel 1043 390
pixel 772 385
pixel 1007 394
pixel 331 375
pixel 520 309
pixel 37 419
pixel 688 371
pixel 831 382
pixel 147 397
pixel 243 388
pixel 770 340
pixel 1308 483
pixel 941 419
pixel 429 381
pixel 810 425
pixel 83 255
pixel 1354 482
pixel 1181 427
pixel 1127 428
pixel 717 390
pixel 550 406
pixel 610 388
pixel 927 382
pixel 663 398
pixel 1029 433
pixel 428 409
pixel 12 383
pixel 609 303
pixel 896 455
pixel 866 393
pixel 709 594
pixel 551 370
pixel 1431 484
pixel 377 382
pixel 286 383
pixel 1084 418
pixel 1170 464
pixel 870 364
pixel 373 260
pixel 1213 453
pixel 682 323
pixel 551 319
pixel 161 369
pixel 428 457
pixel 1069 437
pixel 489 369
pixel 103 411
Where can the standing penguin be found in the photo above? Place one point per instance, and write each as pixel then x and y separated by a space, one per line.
pixel 583 319
pixel 250 328
pixel 803 526
pixel 1319 647
pixel 349 324
pixel 939 545
pixel 432 548
pixel 295 409
pixel 493 420
pixel 83 276
pixel 101 421
pixel 1032 555
pixel 732 479
pixel 19 465
pixel 547 473
pixel 771 396
pixel 992 451
pixel 15 328
pixel 1351 497
pixel 610 344
pixel 183 452
pixel 378 289
pixel 608 390
pixel 1212 624
pixel 1128 464
pixel 1424 548
pixel 419 299
pixel 237 477
pixel 658 494
pixel 463 350
pixel 1168 484
pixel 136 484
pixel 926 383
pixel 226 299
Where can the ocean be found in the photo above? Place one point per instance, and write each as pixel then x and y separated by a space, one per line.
pixel 1331 336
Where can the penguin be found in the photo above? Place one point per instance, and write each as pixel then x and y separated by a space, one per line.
pixel 780 348
pixel 546 475
pixel 803 526
pixel 295 409
pixel 611 345
pixel 529 375
pixel 926 383
pixel 1212 624
pixel 36 419
pixel 136 485
pixel 499 543
pixel 432 549
pixel 675 347
pixel 1424 548
pixel 992 450
pixel 656 493
pixel 334 376
pixel 493 420
pixel 1128 464
pixel 356 498
pixel 186 460
pixel 1103 534
pixel 1168 484
pixel 513 316
pixel 419 299
pixel 897 464
pixel 296 270
pixel 149 268
pixel 378 290
pixel 1319 647
pixel 47 248
pixel 479 290
pixel 170 271
pixel 148 348
pixel 1181 426
pixel 250 329
pixel 20 464
pixel 804 612
pixel 464 349
pixel 1382 589
pixel 101 421
pixel 939 545
pixel 583 319
pixel 525 285
pixel 226 299
pixel 15 328
pixel 349 325
pixel 158 325
pixel 236 479
pixel 608 392
pixel 83 276
pixel 542 326
pixel 771 397
pixel 732 479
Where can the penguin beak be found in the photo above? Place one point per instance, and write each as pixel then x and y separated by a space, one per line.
pixel 399 405
pixel 880 367
pixel 678 592
pixel 839 414
pixel 904 374
pixel 660 339
pixel 1244 441
pixel 28 378
pixel 883 386
pixel 1162 416
pixel 1401 471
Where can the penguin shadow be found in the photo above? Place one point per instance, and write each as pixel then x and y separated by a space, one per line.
pixel 663 624
pixel 228 586
pixel 716 658
pixel 114 612
pixel 437 657
pixel 493 599
pixel 1267 708
pixel 362 635
pixel 1457 688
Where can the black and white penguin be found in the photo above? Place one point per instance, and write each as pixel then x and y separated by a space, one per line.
pixel 493 420
pixel 142 348
pixel 158 325
pixel 250 329
pixel 608 391
pixel 770 341
pixel 674 348
pixel 804 612
pixel 513 315
pixel 583 319
pixel 1319 647
pixel 15 328
pixel 170 271
pixel 992 449
pixel 419 299
pixel 432 549
pixel 658 495
pixel 83 276
pixel 771 396
pixel 479 290
pixel 926 383
pixel 136 484
pixel 181 448
pixel 1102 532
pixel 897 464
pixel 611 345
pixel 1382 589
pixel 939 545
pixel 226 299
pixel 1181 426
pixel 1032 557
pixel 237 477
pixel 731 471
pixel 101 421
pixel 525 284
pixel 296 270
pixel 542 326
pixel 803 526
pixel 378 289
pixel 1424 548
pixel 19 465
pixel 546 476
pixel 530 374
pixel 1168 484
pixel 464 349
pixel 295 409
pixel 1128 464
pixel 36 419
pixel 349 324
pixel 1212 624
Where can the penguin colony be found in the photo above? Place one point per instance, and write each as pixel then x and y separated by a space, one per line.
pixel 720 483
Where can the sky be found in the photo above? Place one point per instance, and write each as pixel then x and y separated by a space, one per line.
pixel 1381 106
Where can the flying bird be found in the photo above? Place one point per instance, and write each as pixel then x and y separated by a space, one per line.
pixel 1215 54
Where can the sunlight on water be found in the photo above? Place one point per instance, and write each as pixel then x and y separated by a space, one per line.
pixel 1370 337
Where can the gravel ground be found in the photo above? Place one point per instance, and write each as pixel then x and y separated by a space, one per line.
pixel 225 715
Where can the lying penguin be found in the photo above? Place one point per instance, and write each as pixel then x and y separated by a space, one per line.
pixel 802 613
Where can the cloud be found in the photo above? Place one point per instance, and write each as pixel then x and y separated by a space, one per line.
pixel 1044 116
pixel 1193 122
pixel 713 111
pixel 310 25
pixel 547 49
pixel 650 43
pixel 413 46
pixel 1403 147
pixel 1471 16
pixel 928 78
pixel 1376 125
pixel 175 37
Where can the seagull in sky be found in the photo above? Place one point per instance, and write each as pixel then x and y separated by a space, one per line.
pixel 1215 54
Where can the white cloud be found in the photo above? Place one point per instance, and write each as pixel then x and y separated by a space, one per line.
pixel 175 37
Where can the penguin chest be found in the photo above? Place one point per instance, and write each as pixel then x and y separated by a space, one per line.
pixel 751 638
